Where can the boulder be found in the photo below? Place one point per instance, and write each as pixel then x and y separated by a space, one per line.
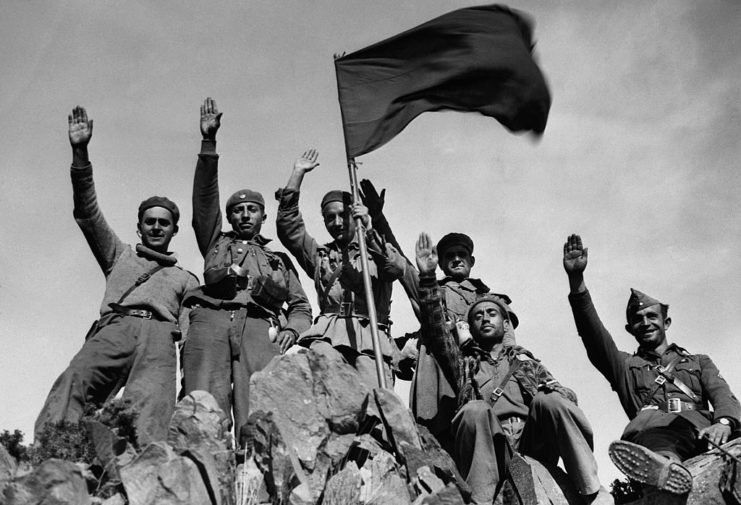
pixel 53 481
pixel 159 475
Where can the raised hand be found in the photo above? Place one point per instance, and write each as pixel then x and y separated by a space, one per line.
pixel 80 127
pixel 574 255
pixel 308 161
pixel 426 254
pixel 210 119
pixel 371 198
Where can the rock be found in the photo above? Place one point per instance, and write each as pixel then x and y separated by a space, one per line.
pixel 382 482
pixel 54 481
pixel 199 430
pixel 285 387
pixel 449 495
pixel 8 467
pixel 272 456
pixel 343 488
pixel 159 475
pixel 250 484
pixel 398 420
pixel 116 499
pixel 532 482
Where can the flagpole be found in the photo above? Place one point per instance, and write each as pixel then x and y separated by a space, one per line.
pixel 369 298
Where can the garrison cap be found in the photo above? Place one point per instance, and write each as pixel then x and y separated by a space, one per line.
pixel 452 239
pixel 337 195
pixel 245 195
pixel 501 300
pixel 639 301
pixel 160 201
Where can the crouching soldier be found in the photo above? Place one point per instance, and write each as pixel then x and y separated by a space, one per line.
pixel 234 323
pixel 507 400
pixel 664 390
pixel 342 329
pixel 133 342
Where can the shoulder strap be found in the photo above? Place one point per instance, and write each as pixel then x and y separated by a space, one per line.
pixel 664 374
pixel 332 279
pixel 139 281
pixel 514 364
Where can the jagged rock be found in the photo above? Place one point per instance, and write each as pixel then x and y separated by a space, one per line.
pixel 8 467
pixel 116 499
pixel 159 475
pixel 531 482
pixel 343 488
pixel 272 456
pixel 706 470
pixel 382 482
pixel 250 484
pixel 449 495
pixel 310 397
pixel 54 481
pixel 398 420
pixel 199 430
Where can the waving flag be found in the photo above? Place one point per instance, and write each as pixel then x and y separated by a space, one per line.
pixel 474 59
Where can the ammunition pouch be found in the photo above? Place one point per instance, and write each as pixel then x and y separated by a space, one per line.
pixel 225 282
pixel 268 293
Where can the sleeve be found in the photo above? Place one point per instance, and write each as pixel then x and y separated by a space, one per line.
pixel 545 381
pixel 298 311
pixel 184 313
pixel 434 333
pixel 292 231
pixel 725 403
pixel 103 241
pixel 601 349
pixel 206 211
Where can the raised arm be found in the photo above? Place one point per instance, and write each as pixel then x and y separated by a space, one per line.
pixel 289 221
pixel 103 241
pixel 434 331
pixel 601 349
pixel 206 211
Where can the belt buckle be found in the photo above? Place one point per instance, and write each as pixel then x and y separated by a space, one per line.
pixel 345 309
pixel 498 392
pixel 674 405
pixel 660 380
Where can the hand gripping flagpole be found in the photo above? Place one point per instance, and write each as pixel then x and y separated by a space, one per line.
pixel 369 298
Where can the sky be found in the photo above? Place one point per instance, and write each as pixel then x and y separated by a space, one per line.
pixel 640 156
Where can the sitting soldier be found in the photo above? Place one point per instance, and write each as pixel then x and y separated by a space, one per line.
pixel 663 389
pixel 507 399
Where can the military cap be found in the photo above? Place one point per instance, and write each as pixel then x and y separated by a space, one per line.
pixel 452 239
pixel 500 301
pixel 245 195
pixel 160 201
pixel 337 195
pixel 639 301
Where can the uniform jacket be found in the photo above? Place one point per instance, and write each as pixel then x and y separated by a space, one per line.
pixel 529 378
pixel 122 265
pixel 220 250
pixel 320 262
pixel 632 376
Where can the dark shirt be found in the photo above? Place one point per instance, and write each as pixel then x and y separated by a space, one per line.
pixel 633 376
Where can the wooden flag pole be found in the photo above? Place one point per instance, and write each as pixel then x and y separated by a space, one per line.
pixel 369 298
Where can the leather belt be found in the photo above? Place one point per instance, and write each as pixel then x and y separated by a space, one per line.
pixel 128 311
pixel 674 406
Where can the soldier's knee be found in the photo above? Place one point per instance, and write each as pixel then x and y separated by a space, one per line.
pixel 549 401
pixel 474 412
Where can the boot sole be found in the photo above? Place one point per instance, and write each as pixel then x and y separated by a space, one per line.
pixel 647 467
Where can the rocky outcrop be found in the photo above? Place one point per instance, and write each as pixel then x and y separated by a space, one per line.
pixel 53 481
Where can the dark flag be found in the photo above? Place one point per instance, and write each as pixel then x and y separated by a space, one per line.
pixel 474 59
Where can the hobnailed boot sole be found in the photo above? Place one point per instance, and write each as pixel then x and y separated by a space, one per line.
pixel 647 467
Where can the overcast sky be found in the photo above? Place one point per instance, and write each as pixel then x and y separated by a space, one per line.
pixel 640 157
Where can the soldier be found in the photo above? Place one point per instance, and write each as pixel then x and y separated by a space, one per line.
pixel 432 397
pixel 664 390
pixel 335 267
pixel 133 342
pixel 235 328
pixel 506 398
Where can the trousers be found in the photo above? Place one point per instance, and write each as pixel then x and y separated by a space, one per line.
pixel 555 428
pixel 224 348
pixel 131 352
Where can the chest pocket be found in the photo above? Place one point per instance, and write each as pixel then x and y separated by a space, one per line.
pixel 642 377
pixel 688 371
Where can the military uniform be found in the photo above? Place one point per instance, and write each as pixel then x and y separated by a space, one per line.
pixel 134 345
pixel 343 321
pixel 233 313
pixel 512 397
pixel 666 410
